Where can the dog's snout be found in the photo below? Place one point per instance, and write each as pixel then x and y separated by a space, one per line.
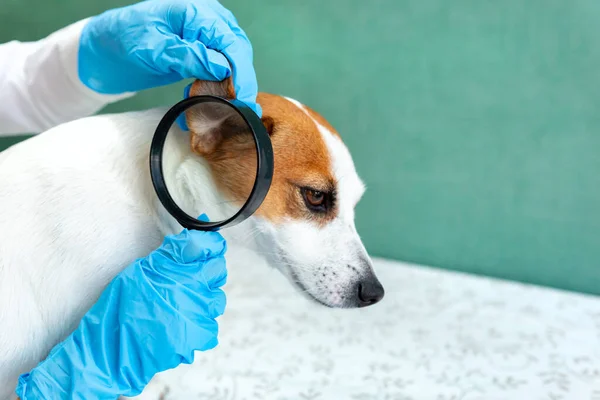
pixel 370 291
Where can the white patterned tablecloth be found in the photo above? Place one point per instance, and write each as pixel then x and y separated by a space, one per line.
pixel 437 335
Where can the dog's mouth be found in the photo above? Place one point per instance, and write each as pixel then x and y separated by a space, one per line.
pixel 368 292
pixel 286 269
pixel 304 290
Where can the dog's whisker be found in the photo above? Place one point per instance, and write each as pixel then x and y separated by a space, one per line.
pixel 226 202
pixel 252 234
pixel 296 267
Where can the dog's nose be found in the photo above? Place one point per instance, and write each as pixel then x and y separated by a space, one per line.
pixel 369 292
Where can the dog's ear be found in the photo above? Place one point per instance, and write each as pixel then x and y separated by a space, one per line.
pixel 212 124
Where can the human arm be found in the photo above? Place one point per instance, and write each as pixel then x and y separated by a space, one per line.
pixel 40 87
pixel 152 317
pixel 78 70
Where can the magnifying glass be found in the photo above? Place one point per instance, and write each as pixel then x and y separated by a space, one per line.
pixel 242 115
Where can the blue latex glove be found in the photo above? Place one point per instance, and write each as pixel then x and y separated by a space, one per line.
pixel 152 317
pixel 159 42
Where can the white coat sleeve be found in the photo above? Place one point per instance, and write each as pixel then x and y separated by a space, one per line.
pixel 40 86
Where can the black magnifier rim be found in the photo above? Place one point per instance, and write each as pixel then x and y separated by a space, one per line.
pixel 264 163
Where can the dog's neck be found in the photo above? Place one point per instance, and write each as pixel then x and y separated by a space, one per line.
pixel 191 185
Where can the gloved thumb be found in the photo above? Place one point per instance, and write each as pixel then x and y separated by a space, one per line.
pixel 189 247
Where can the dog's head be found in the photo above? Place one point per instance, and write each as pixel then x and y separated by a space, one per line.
pixel 306 222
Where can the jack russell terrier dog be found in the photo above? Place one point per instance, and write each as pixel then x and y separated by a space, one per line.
pixel 77 206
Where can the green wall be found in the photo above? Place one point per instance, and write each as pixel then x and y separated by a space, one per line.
pixel 475 124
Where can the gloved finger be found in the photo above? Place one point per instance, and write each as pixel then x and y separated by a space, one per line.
pixel 200 245
pixel 244 75
pixel 218 304
pixel 195 60
pixel 214 272
pixel 225 36
pixel 203 217
pixel 190 247
pixel 240 55
pixel 194 295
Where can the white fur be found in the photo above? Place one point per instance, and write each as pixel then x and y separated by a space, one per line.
pixel 77 206
pixel 327 261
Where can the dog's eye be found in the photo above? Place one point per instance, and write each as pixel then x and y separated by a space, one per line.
pixel 315 200
pixel 314 197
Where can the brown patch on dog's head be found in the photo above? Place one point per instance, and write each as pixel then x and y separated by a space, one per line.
pixel 302 161
pixel 308 214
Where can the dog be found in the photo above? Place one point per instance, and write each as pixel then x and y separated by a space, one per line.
pixel 77 206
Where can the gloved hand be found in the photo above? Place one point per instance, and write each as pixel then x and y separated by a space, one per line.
pixel 159 42
pixel 152 317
